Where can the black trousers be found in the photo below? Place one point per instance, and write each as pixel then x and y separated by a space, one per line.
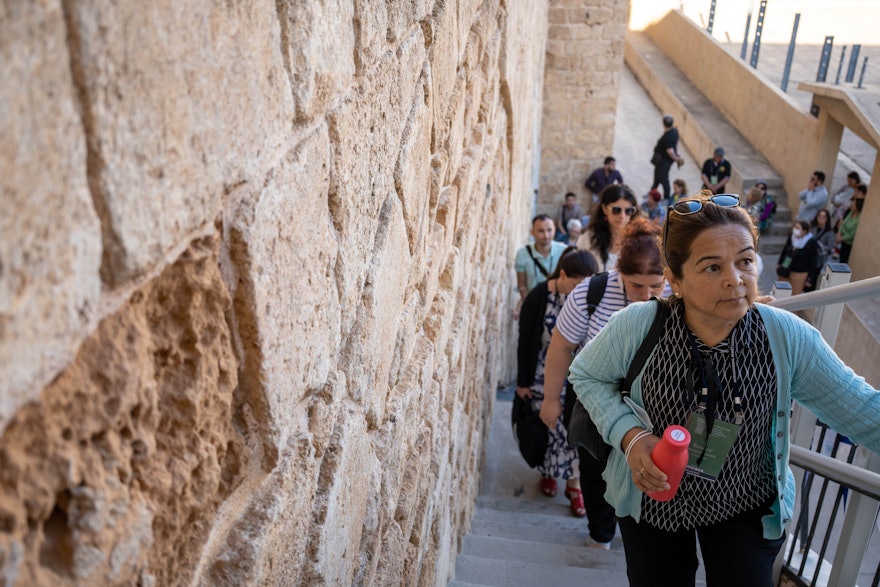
pixel 661 178
pixel 601 519
pixel 735 553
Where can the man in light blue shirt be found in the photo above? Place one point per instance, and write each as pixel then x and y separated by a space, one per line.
pixel 534 262
pixel 813 198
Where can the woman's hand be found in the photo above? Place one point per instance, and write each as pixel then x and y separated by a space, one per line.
pixel 524 392
pixel 550 412
pixel 645 474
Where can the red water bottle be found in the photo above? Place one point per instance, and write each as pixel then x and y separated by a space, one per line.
pixel 671 456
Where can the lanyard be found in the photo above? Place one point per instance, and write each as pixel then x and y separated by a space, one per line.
pixel 710 385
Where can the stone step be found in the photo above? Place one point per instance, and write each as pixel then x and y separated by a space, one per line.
pixel 515 573
pixel 524 547
pixel 701 126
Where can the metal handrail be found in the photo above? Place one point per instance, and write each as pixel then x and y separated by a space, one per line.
pixel 837 294
pixel 856 478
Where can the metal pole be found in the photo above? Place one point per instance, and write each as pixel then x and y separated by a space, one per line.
pixel 862 75
pixel 790 56
pixel 840 66
pixel 853 61
pixel 759 29
pixel 824 58
pixel 742 54
pixel 711 18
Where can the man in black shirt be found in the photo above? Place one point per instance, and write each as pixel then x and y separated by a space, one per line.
pixel 665 154
pixel 716 172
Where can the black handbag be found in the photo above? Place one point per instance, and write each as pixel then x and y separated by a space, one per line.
pixel 582 431
pixel 532 435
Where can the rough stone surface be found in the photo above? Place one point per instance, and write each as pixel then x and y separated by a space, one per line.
pixel 179 102
pixel 276 339
pixel 584 58
pixel 116 470
pixel 50 239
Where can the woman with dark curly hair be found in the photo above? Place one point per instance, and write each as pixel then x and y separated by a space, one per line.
pixel 604 235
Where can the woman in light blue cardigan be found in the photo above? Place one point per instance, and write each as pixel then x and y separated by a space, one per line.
pixel 728 369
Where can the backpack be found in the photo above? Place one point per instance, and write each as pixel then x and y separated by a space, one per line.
pixel 582 431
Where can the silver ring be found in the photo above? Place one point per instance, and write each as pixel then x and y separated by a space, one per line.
pixel 640 472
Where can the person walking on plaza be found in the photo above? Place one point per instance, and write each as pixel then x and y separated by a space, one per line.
pixel 639 275
pixel 665 154
pixel 813 198
pixel 716 172
pixel 535 262
pixel 568 211
pixel 728 369
pixel 603 177
pixel 536 323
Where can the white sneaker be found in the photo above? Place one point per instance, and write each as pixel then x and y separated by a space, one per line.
pixel 591 543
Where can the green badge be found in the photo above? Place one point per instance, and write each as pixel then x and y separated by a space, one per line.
pixel 707 464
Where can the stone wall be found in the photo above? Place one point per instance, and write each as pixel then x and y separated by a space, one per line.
pixel 255 283
pixel 584 60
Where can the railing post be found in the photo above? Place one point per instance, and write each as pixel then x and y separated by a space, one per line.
pixel 858 524
pixel 825 58
pixel 745 46
pixel 781 290
pixel 827 318
pixel 759 31
pixel 789 57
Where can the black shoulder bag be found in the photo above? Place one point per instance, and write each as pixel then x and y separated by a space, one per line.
pixel 582 431
pixel 538 266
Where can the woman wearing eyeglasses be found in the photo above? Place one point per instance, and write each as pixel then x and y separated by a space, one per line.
pixel 727 369
pixel 604 235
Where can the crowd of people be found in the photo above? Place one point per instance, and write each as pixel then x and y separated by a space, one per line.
pixel 585 309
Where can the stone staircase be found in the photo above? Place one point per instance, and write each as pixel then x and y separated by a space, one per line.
pixel 520 537
pixel 702 127
pixel 522 541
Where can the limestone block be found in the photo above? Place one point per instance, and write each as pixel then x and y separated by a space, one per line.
pixel 283 244
pixel 50 244
pixel 266 537
pixel 412 173
pixel 365 135
pixel 340 504
pixel 180 101
pixel 369 350
pixel 117 469
pixel 443 57
pixel 318 43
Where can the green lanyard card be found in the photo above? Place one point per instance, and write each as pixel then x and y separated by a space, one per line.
pixel 707 452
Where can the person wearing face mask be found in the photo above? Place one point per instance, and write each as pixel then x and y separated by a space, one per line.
pixel 638 277
pixel 798 257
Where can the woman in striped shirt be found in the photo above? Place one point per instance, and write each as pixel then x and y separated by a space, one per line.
pixel 638 277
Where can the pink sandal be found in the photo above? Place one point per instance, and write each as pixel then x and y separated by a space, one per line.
pixel 548 486
pixel 576 496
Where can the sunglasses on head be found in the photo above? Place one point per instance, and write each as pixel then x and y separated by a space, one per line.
pixel 687 207
pixel 617 210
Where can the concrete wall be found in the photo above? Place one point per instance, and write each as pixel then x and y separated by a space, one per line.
pixel 787 137
pixel 791 142
pixel 584 60
pixel 252 257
